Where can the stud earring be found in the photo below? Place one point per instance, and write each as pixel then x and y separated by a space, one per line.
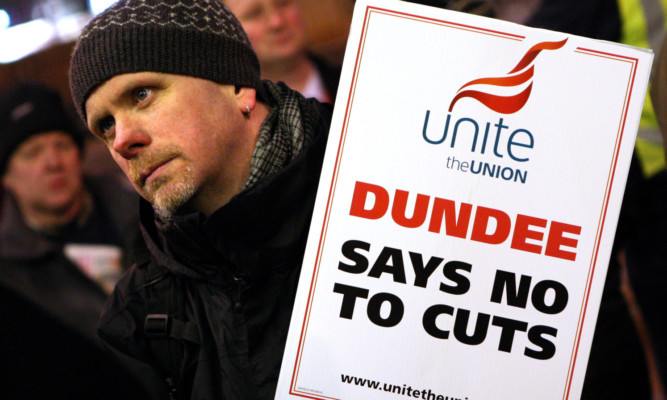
pixel 247 110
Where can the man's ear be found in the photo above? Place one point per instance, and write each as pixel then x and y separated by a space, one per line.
pixel 246 98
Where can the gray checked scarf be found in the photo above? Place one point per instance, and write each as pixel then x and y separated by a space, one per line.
pixel 282 136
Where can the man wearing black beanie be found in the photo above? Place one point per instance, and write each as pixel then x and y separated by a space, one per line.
pixel 65 239
pixel 228 166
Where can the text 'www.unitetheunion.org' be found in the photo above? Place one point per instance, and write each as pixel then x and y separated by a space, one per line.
pixel 405 390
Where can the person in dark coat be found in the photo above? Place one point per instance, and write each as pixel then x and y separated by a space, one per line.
pixel 278 36
pixel 65 239
pixel 646 252
pixel 228 167
pixel 617 366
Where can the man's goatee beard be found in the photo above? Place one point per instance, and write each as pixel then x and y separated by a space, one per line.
pixel 172 193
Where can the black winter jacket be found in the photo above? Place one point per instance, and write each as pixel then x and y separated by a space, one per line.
pixel 210 304
pixel 49 309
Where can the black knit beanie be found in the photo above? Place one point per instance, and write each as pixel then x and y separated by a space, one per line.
pixel 199 38
pixel 29 109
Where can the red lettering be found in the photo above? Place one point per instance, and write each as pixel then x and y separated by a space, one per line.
pixel 481 224
pixel 398 210
pixel 556 240
pixel 457 227
pixel 522 232
pixel 380 206
pixel 528 234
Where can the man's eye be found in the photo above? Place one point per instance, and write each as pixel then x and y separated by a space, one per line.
pixel 31 153
pixel 106 124
pixel 142 94
pixel 253 14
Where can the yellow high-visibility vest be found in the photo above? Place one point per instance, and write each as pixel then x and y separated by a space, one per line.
pixel 643 25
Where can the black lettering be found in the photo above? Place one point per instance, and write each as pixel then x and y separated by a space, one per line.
pixel 397 268
pixel 509 326
pixel 350 294
pixel 396 310
pixel 422 273
pixel 461 327
pixel 560 298
pixel 430 315
pixel 450 271
pixel 536 337
pixel 349 250
pixel 515 298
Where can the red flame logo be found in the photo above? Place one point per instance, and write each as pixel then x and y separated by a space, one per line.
pixel 522 73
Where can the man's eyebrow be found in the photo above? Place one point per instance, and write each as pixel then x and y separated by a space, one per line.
pixel 94 119
pixel 115 98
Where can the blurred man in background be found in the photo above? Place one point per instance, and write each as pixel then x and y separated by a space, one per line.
pixel 278 36
pixel 64 241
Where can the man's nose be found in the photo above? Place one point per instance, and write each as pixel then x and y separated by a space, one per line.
pixel 53 157
pixel 130 138
pixel 276 18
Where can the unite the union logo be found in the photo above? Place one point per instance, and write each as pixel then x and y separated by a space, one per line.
pixel 498 140
pixel 523 72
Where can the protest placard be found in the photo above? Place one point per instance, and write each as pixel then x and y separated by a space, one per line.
pixel 466 210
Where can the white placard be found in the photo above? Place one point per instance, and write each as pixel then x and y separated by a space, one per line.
pixel 466 210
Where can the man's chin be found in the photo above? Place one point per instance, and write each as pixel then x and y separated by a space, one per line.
pixel 164 214
pixel 172 197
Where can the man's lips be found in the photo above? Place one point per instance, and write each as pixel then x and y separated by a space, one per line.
pixel 57 183
pixel 146 173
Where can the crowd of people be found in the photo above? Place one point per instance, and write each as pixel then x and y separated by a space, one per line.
pixel 180 284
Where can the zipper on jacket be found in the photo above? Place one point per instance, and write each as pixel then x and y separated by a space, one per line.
pixel 173 390
pixel 241 283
